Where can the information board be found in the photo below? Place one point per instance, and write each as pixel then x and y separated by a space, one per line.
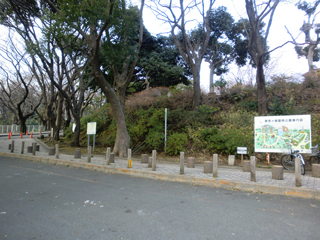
pixel 91 128
pixel 241 150
pixel 274 134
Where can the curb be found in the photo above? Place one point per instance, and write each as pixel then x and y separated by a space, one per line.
pixel 214 182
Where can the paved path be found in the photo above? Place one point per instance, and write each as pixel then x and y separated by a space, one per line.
pixel 228 177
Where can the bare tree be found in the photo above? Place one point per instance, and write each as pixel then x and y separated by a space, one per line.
pixel 259 11
pixel 18 92
pixel 310 51
pixel 192 48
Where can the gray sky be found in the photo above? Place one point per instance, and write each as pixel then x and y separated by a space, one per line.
pixel 283 60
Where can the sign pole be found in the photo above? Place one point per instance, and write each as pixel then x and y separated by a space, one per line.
pixel 241 159
pixel 94 141
pixel 165 130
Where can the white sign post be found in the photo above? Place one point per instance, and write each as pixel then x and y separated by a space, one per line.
pixel 91 130
pixel 241 150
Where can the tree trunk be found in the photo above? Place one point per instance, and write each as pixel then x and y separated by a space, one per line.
pixel 121 94
pixel 57 128
pixel 196 86
pixel 122 139
pixel 211 78
pixel 68 121
pixel 310 57
pixel 261 91
pixel 51 117
pixel 23 127
pixel 76 134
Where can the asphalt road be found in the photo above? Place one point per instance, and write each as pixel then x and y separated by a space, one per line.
pixel 42 201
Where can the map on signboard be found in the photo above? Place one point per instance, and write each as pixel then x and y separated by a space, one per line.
pixel 279 133
pixel 91 128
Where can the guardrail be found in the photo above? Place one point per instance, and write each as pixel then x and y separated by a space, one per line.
pixel 16 128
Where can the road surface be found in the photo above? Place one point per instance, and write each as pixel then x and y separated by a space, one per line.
pixel 42 201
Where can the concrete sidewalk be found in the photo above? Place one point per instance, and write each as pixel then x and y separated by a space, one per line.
pixel 228 177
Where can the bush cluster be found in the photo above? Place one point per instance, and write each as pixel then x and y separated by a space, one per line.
pixel 220 125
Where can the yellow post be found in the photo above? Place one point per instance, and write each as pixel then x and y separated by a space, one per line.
pixel 130 163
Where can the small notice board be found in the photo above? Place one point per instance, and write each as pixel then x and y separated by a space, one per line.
pixel 241 150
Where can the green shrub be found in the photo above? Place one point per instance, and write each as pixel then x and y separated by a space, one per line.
pixel 176 143
pixel 155 140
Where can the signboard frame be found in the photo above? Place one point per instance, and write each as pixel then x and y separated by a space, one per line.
pixel 275 134
pixel 92 130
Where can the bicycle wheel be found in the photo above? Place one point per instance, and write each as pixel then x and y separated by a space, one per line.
pixel 303 170
pixel 287 162
pixel 314 160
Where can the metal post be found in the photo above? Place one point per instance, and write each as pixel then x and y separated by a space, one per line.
pixel 129 158
pixel 88 140
pixel 22 147
pixel 181 162
pixel 154 159
pixel 108 156
pixel 57 150
pixel 12 146
pixel 298 172
pixel 33 148
pixel 89 155
pixel 94 141
pixel 253 168
pixel 165 129
pixel 215 165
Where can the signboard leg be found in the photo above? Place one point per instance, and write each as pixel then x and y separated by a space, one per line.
pixel 94 141
pixel 241 160
pixel 268 159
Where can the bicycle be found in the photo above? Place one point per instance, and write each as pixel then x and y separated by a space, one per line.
pixel 288 160
pixel 315 155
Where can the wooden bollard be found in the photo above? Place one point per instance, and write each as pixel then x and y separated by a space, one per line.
pixel 316 170
pixel 144 158
pixel 77 153
pixel 208 167
pixel 108 156
pixel 253 168
pixel 150 162
pixel 298 172
pixel 277 172
pixel 154 159
pixel 246 166
pixel 181 162
pixel 190 162
pixel 51 151
pixel 215 165
pixel 22 147
pixel 57 150
pixel 111 158
pixel 89 155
